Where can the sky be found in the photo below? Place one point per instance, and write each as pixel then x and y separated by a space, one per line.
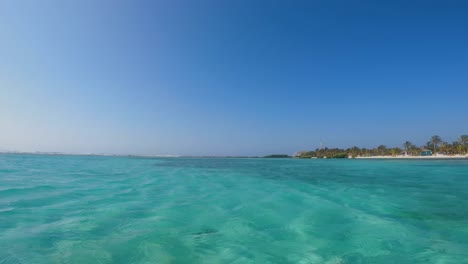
pixel 239 77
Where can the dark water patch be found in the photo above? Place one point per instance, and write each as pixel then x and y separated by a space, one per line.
pixel 205 231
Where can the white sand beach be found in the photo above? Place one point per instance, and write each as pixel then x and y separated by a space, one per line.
pixel 438 156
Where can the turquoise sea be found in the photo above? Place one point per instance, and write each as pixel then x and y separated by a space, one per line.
pixel 95 209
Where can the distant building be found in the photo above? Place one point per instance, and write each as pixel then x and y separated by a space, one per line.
pixel 425 152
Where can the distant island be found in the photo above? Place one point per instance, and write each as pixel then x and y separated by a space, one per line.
pixel 278 156
pixel 436 147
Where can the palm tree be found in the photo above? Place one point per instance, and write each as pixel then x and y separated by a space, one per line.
pixel 395 151
pixel 445 147
pixel 407 145
pixel 463 141
pixel 354 151
pixel 435 140
pixel 457 148
pixel 382 149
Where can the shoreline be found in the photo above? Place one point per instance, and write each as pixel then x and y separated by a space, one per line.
pixel 434 157
pixel 416 157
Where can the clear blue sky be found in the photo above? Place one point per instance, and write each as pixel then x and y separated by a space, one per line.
pixel 230 77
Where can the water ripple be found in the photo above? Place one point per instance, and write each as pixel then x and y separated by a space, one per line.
pixel 75 209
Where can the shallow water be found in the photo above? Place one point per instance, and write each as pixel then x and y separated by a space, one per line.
pixel 90 209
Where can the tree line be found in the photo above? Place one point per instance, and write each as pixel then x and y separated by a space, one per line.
pixel 436 145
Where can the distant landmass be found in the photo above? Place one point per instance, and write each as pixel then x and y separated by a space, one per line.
pixel 435 147
pixel 278 156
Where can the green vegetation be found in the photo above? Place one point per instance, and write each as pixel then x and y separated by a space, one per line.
pixel 435 141
pixel 435 144
pixel 278 156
